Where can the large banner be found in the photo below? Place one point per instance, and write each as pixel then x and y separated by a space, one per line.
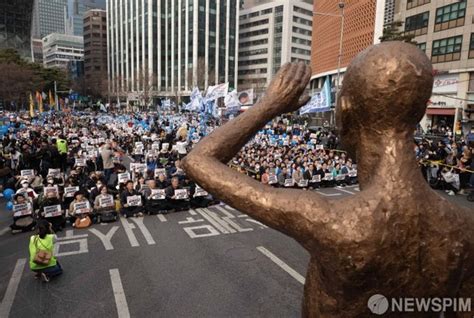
pixel 214 92
pixel 320 102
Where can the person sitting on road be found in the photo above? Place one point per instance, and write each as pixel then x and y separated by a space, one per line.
pixel 162 183
pixel 127 209
pixel 176 203
pixel 24 222
pixel 41 249
pixel 105 209
pixel 73 211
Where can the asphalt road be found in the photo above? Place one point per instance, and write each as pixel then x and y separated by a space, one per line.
pixel 213 262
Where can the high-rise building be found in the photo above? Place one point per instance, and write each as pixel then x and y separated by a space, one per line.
pixel 363 24
pixel 75 14
pixel 168 47
pixel 59 49
pixel 270 35
pixel 48 17
pixel 444 30
pixel 37 50
pixel 15 25
pixel 95 51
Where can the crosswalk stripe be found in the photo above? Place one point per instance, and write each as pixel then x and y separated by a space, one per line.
pixel 12 287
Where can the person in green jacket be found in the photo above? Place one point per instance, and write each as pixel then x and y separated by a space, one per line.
pixel 62 146
pixel 44 241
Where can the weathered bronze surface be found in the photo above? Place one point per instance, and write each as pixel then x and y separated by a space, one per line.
pixel 397 237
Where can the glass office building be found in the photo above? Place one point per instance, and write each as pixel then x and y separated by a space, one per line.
pixel 178 44
pixel 15 25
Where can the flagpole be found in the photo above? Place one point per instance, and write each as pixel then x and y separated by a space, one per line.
pixel 56 101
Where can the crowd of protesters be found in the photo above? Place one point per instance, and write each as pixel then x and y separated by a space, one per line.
pixel 79 169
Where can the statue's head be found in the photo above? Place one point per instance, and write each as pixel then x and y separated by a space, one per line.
pixel 386 87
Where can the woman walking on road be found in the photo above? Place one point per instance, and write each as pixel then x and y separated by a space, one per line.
pixel 42 260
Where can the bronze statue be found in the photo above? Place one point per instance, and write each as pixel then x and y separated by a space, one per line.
pixel 397 237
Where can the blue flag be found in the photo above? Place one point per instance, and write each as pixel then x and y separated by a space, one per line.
pixel 320 102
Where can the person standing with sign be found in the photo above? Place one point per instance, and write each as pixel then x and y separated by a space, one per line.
pixel 41 248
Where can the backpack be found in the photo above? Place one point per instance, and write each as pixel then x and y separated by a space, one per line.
pixel 82 223
pixel 42 257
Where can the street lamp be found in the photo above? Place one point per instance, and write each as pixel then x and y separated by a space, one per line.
pixel 339 57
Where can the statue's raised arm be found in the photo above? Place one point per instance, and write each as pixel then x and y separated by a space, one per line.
pixel 206 163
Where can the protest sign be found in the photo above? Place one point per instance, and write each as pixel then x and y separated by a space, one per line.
pixel 52 211
pixel 22 209
pixel 158 194
pixel 80 162
pixel 55 173
pixel 181 194
pixel 69 191
pixel 200 192
pixel 27 173
pixel 303 183
pixel 134 200
pixel 123 177
pixel 106 201
pixel 272 179
pixel 340 177
pixel 316 178
pixel 82 207
pixel 289 182
pixel 54 190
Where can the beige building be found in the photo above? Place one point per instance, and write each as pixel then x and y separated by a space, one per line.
pixel 444 29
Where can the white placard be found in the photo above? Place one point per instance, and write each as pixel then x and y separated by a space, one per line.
pixel 22 209
pixel 106 201
pixel 165 146
pixel 123 177
pixel 134 200
pixel 303 183
pixel 272 179
pixel 56 173
pixel 155 146
pixel 27 173
pixel 289 182
pixel 158 194
pixel 181 194
pixel 82 207
pixel 316 178
pixel 340 177
pixel 328 177
pixel 319 147
pixel 200 192
pixel 80 162
pixel 69 191
pixel 353 173
pixel 53 189
pixel 52 210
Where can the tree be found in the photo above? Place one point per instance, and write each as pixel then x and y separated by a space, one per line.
pixel 391 32
pixel 16 82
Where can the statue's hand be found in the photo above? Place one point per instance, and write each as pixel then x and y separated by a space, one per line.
pixel 284 92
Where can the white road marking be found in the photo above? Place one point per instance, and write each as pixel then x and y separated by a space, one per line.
pixel 5 230
pixel 217 225
pixel 12 287
pixel 106 239
pixel 119 294
pixel 70 235
pixel 222 222
pixel 128 230
pixel 282 264
pixel 357 188
pixel 161 217
pixel 210 231
pixel 192 212
pixel 346 191
pixel 228 218
pixel 149 239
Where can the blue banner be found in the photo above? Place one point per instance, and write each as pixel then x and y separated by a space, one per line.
pixel 320 102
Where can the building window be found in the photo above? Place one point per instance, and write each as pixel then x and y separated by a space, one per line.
pixel 447 50
pixel 422 46
pixel 417 24
pixel 450 16
pixel 416 3
pixel 471 47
